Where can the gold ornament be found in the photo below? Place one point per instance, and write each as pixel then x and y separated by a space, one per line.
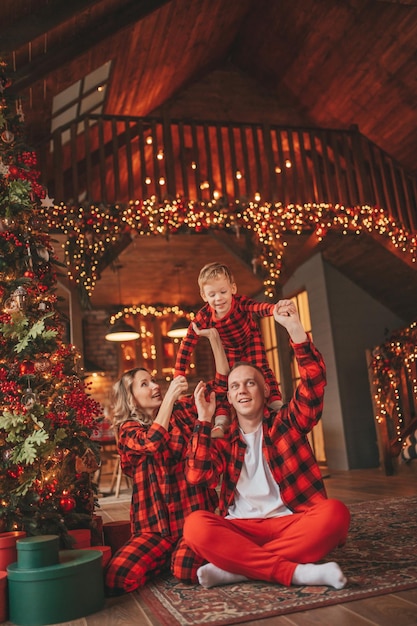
pixel 7 136
pixel 87 463
pixel 42 365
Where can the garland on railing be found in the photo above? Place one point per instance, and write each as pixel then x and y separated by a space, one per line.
pixel 91 229
pixel 389 359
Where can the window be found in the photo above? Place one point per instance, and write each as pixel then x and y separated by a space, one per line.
pixel 269 336
pixel 268 328
pixel 85 96
pixel 316 436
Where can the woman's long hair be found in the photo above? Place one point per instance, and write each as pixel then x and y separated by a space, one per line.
pixel 124 404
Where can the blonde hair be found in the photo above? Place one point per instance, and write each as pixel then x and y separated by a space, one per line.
pixel 214 270
pixel 124 404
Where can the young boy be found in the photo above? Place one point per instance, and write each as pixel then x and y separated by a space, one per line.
pixel 231 314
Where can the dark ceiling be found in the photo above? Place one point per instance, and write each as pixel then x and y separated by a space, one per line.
pixel 316 62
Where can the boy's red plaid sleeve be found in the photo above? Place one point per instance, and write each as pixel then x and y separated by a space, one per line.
pixel 184 353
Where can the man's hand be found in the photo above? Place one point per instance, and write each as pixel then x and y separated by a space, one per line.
pixel 286 314
pixel 205 408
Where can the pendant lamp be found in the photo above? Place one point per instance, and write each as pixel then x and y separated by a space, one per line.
pixel 122 331
pixel 179 328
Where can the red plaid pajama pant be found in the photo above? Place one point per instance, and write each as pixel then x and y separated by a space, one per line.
pixel 147 555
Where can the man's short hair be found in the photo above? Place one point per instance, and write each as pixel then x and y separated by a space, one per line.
pixel 240 363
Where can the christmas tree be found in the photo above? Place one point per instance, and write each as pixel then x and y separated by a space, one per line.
pixel 47 458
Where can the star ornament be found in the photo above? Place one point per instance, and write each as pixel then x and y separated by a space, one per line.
pixel 47 202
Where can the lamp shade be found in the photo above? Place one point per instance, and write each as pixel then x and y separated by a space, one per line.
pixel 179 328
pixel 121 331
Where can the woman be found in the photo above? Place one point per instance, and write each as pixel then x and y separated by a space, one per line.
pixel 153 434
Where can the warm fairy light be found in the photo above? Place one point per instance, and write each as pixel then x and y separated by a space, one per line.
pixel 148 180
pixel 288 164
pixel 193 165
pixel 143 310
pixel 388 364
pixel 161 181
pixel 257 196
pixel 91 230
pixel 278 170
pixel 149 140
pixel 238 175
pixel 160 155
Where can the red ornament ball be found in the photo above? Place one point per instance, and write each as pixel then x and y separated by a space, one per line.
pixel 26 367
pixel 67 504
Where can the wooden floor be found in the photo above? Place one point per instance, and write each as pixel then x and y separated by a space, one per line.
pixel 399 609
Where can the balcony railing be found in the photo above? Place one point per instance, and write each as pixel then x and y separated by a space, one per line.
pixel 116 159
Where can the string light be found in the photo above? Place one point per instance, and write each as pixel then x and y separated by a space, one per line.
pixel 91 229
pixel 144 310
pixel 389 361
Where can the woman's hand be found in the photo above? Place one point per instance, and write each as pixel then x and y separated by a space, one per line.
pixel 205 408
pixel 177 387
pixel 210 333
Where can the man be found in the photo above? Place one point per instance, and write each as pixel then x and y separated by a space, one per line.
pixel 275 519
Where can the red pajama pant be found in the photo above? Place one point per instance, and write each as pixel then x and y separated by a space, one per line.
pixel 143 556
pixel 268 549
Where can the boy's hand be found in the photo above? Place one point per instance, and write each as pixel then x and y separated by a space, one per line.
pixel 286 314
pixel 284 308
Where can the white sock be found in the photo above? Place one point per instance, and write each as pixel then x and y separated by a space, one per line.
pixel 211 576
pixel 328 574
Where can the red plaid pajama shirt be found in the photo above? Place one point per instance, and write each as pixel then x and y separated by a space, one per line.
pixel 285 445
pixel 161 499
pixel 240 335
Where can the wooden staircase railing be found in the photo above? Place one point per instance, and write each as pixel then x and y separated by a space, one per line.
pixel 116 159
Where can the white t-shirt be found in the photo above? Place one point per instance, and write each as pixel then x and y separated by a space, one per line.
pixel 257 493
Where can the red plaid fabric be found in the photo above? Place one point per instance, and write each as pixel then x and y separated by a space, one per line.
pixel 144 556
pixel 154 458
pixel 185 563
pixel 240 335
pixel 161 497
pixel 286 447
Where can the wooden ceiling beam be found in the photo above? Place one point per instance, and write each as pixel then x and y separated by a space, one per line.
pixel 87 38
pixel 39 23
pixel 304 252
pixel 395 250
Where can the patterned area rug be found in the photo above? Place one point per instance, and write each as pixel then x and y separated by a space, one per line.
pixel 378 558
